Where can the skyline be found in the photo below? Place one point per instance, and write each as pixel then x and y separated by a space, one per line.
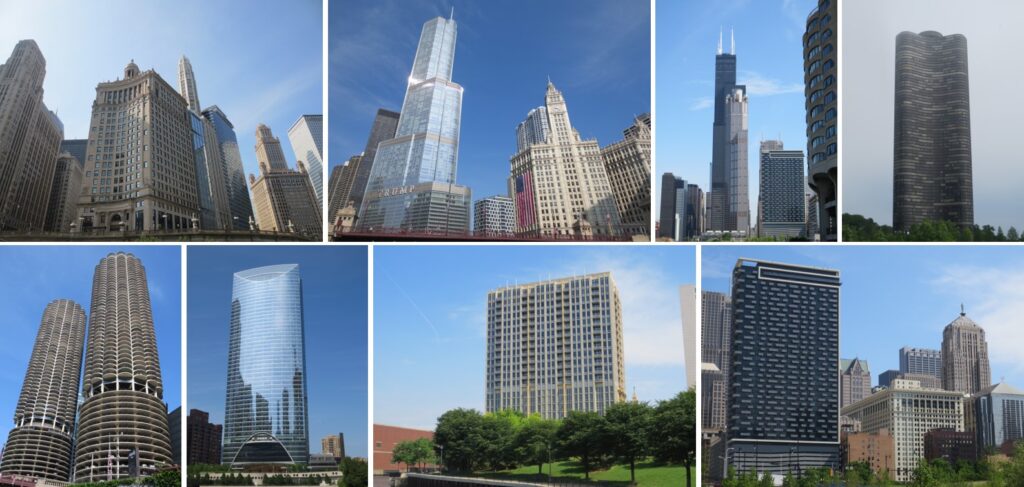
pixel 930 294
pixel 52 272
pixel 336 351
pixel 225 44
pixel 769 62
pixel 425 334
pixel 605 76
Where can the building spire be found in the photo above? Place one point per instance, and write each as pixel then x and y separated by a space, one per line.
pixel 719 40
pixel 962 312
pixel 732 37
pixel 452 16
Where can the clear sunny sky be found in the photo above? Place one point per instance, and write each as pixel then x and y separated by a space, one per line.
pixel 260 61
pixel 597 53
pixel 334 288
pixel 769 60
pixel 37 275
pixel 904 296
pixel 430 328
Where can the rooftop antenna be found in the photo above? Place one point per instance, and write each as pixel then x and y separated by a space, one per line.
pixel 452 16
pixel 962 312
pixel 719 40
pixel 732 37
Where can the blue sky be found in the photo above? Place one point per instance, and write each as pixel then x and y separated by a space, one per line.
pixel 334 284
pixel 504 54
pixel 430 327
pixel 769 61
pixel 904 296
pixel 260 61
pixel 45 273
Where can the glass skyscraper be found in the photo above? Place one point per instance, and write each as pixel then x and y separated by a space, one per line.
pixel 265 418
pixel 412 183
pixel 306 136
pixel 234 175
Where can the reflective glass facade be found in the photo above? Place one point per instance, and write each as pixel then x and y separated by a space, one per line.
pixel 266 390
pixel 234 174
pixel 207 211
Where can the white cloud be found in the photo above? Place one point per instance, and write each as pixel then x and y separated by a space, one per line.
pixel 994 298
pixel 758 85
pixel 702 103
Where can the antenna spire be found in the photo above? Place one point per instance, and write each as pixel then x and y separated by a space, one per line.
pixel 719 40
pixel 452 16
pixel 732 37
pixel 962 312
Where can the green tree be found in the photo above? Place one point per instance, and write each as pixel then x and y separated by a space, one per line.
pixel 630 424
pixel 534 440
pixel 498 433
pixel 424 449
pixel 1012 235
pixel 460 433
pixel 404 452
pixel 672 433
pixel 353 473
pixel 583 435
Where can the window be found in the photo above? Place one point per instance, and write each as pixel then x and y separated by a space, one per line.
pixel 830 97
pixel 830 114
pixel 816 110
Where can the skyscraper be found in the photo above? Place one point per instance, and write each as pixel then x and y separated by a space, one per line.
pixel 494 216
pixel 681 214
pixel 412 182
pixel 40 444
pixel 307 138
pixel 921 361
pixel 30 136
pixel 716 341
pixel 821 84
pixel 67 185
pixel 854 381
pixel 965 366
pixel 239 204
pixel 339 186
pixel 728 200
pixel 563 181
pixel 533 363
pixel 187 85
pixel 211 188
pixel 932 177
pixel 333 445
pixel 688 307
pixel 76 147
pixel 780 205
pixel 385 123
pixel 283 199
pixel 885 378
pixel 997 415
pixel 203 438
pixel 628 163
pixel 140 171
pixel 534 130
pixel 123 416
pixel 265 415
pixel 783 412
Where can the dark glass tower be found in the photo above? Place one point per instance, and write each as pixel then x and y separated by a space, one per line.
pixel 932 140
pixel 721 210
pixel 821 86
pixel 384 126
pixel 783 407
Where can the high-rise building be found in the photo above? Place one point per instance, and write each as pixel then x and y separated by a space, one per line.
pixel 40 444
pixel 932 177
pixel 307 139
pixel 30 137
pixel 67 184
pixel 203 439
pixel 77 148
pixel 854 381
pixel 494 216
pixel 908 411
pixel 682 209
pixel 628 163
pixel 688 309
pixel 265 413
pixel 812 231
pixel 140 171
pixel 780 200
pixel 712 398
pixel 333 445
pixel 534 130
pixel 996 415
pixel 783 411
pixel 283 199
pixel 385 124
pixel 239 204
pixel 728 200
pixel 965 366
pixel 174 429
pixel 339 186
pixel 716 340
pixel 821 86
pixel 187 85
pixel 563 181
pixel 211 187
pixel 921 361
pixel 534 343
pixel 123 420
pixel 885 378
pixel 412 184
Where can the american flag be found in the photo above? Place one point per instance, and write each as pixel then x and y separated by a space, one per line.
pixel 524 200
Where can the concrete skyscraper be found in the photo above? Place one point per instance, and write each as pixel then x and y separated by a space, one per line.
pixel 783 414
pixel 187 84
pixel 728 199
pixel 412 184
pixel 67 185
pixel 854 381
pixel 688 307
pixel 283 199
pixel 140 171
pixel 265 412
pixel 921 361
pixel 628 163
pixel 533 363
pixel 30 136
pixel 716 341
pixel 494 216
pixel 307 138
pixel 385 124
pixel 123 419
pixel 821 86
pixel 965 366
pixel 40 444
pixel 239 204
pixel 932 172
pixel 575 184
pixel 780 200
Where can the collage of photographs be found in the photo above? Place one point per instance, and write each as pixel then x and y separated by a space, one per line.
pixel 775 244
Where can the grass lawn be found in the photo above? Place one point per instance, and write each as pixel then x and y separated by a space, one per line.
pixel 647 474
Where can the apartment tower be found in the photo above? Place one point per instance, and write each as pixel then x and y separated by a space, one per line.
pixel 821 88
pixel 780 201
